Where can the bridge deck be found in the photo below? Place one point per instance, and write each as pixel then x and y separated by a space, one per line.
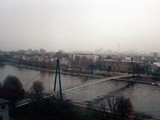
pixel 95 81
pixel 26 101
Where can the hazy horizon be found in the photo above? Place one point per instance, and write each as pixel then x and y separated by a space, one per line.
pixel 76 25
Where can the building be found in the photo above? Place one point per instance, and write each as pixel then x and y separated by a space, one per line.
pixel 118 65
pixel 4 109
pixel 87 56
pixel 29 51
pixel 42 51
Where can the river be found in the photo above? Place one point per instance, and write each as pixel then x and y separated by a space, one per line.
pixel 145 98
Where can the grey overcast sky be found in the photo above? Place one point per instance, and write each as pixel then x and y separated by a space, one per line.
pixel 80 24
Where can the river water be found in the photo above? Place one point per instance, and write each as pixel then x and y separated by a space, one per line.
pixel 145 98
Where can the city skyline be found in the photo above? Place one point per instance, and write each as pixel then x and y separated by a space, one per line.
pixel 80 25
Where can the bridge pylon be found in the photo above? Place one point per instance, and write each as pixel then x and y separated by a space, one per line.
pixel 58 74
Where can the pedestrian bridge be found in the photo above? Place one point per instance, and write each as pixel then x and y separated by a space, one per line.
pixel 51 93
pixel 96 81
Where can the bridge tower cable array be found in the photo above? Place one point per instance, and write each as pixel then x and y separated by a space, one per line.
pixel 58 74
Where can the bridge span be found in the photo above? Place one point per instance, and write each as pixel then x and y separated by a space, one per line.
pixel 48 94
pixel 96 81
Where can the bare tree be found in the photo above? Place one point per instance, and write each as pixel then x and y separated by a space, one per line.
pixel 36 95
pixel 37 90
pixel 121 108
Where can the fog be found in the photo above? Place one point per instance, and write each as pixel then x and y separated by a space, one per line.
pixel 74 25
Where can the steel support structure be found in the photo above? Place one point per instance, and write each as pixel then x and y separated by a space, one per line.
pixel 58 74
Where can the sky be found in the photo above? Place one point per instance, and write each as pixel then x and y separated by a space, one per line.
pixel 74 25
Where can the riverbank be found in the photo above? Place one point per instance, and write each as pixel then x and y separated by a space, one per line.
pixel 138 81
pixel 53 71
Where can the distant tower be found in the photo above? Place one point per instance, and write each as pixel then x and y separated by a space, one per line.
pixel 131 69
pixel 59 75
pixel 155 56
pixel 118 47
pixel 42 51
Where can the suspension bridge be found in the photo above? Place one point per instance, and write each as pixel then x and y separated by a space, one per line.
pixel 51 93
